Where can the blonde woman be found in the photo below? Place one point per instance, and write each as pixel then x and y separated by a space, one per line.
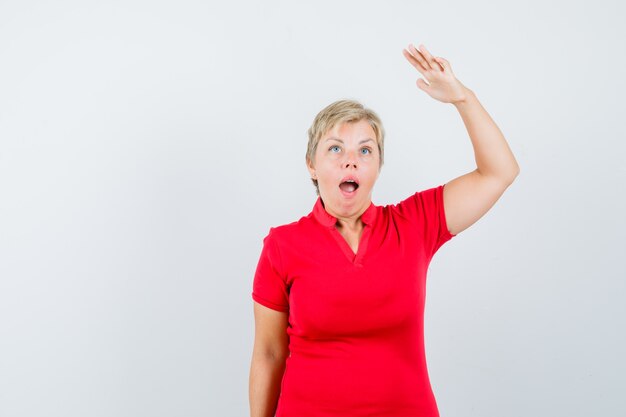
pixel 339 294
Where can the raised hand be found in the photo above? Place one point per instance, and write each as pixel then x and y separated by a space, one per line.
pixel 442 84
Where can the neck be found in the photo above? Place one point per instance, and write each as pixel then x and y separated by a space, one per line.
pixel 351 224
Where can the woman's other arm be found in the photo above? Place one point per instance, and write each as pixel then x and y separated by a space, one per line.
pixel 271 348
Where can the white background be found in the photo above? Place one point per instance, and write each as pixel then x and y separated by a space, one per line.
pixel 146 148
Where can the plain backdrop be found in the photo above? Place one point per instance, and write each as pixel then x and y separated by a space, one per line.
pixel 146 148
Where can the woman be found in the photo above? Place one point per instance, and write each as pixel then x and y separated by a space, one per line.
pixel 339 294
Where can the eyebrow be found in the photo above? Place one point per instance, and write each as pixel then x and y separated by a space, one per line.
pixel 339 140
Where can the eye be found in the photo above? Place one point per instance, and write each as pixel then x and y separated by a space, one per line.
pixel 332 147
pixel 367 149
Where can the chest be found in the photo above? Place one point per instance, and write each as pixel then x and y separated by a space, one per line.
pixel 355 283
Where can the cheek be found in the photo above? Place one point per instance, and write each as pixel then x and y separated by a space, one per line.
pixel 325 175
pixel 371 179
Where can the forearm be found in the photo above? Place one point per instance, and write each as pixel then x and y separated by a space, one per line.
pixel 491 151
pixel 265 380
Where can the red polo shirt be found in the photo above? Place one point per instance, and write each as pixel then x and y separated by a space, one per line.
pixel 356 332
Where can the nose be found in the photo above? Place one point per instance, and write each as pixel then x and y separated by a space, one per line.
pixel 350 160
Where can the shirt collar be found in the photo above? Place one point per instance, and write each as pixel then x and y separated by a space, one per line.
pixel 328 220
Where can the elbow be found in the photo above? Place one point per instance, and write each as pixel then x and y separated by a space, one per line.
pixel 505 179
pixel 512 175
pixel 270 354
pixel 515 173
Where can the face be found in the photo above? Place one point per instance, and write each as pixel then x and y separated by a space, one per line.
pixel 347 150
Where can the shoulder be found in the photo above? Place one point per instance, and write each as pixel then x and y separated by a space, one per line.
pixel 425 196
pixel 417 203
pixel 286 231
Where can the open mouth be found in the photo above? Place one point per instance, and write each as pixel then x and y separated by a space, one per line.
pixel 349 186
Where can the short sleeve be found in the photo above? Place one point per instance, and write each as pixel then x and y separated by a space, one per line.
pixel 427 210
pixel 269 287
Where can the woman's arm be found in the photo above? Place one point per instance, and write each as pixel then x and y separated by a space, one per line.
pixel 491 151
pixel 271 348
pixel 468 197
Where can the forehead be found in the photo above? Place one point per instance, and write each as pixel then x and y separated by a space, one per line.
pixel 351 131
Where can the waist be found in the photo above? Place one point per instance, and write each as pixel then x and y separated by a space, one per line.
pixel 334 385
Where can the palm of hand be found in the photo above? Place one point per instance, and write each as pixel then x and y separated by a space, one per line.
pixel 442 84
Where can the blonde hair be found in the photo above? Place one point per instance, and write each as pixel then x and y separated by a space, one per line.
pixel 343 111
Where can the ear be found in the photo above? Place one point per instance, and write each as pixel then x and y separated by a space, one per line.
pixel 311 169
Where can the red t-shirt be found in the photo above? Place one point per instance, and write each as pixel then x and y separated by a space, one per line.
pixel 356 322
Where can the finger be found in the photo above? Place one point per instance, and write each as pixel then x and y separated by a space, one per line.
pixel 429 58
pixel 418 55
pixel 444 63
pixel 413 61
pixel 439 64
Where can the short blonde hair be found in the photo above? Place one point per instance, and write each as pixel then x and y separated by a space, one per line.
pixel 343 111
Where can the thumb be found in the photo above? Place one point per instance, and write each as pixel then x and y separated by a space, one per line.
pixel 421 84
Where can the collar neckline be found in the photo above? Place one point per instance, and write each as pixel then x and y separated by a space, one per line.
pixel 328 220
